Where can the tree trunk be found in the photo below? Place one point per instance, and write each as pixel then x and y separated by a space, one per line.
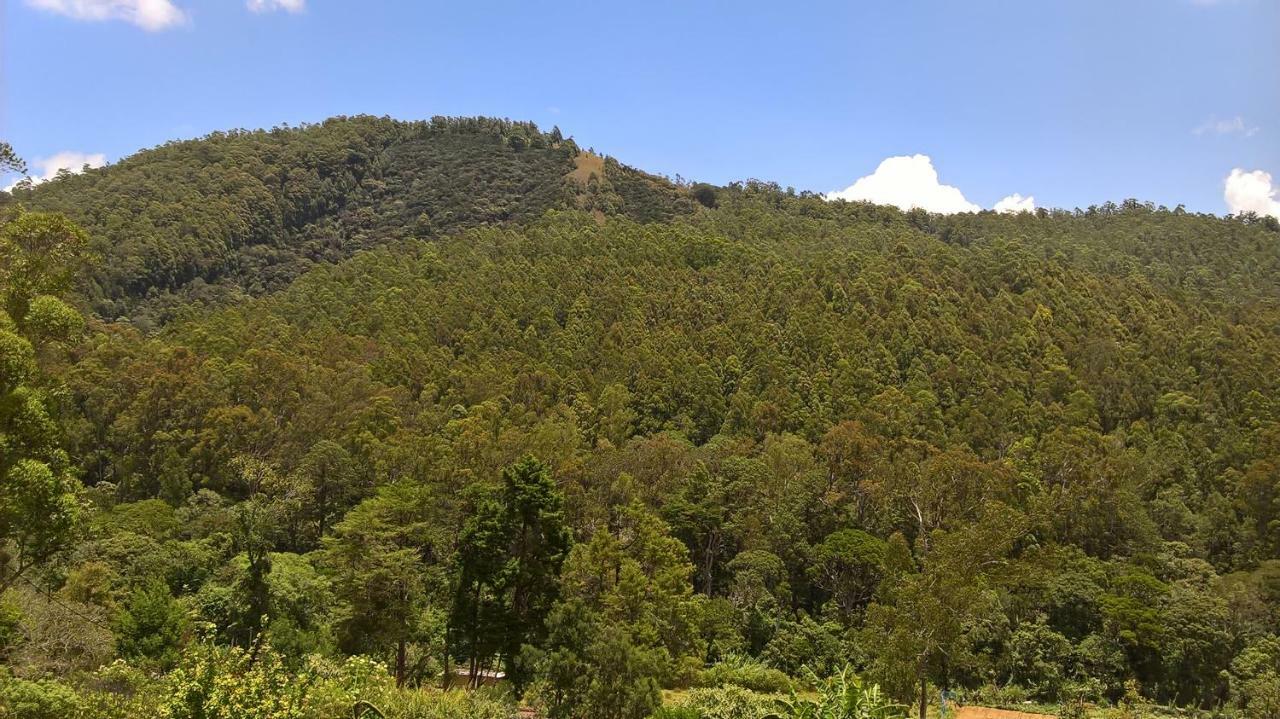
pixel 924 695
pixel 448 673
pixel 475 637
pixel 401 657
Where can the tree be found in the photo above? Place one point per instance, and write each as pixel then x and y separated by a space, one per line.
pixel 319 491
pixel 39 254
pixel 9 160
pixel 848 564
pixel 918 623
pixel 509 558
pixel 385 559
pixel 152 625
pixel 591 667
pixel 255 525
pixel 626 612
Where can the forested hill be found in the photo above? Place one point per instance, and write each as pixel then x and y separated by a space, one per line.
pixel 613 435
pixel 239 213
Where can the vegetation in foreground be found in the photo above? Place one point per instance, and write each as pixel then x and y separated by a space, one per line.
pixel 744 448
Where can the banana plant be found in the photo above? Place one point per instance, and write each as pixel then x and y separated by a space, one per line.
pixel 840 696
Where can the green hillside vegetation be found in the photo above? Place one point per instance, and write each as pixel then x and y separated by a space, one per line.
pixel 211 220
pixel 614 436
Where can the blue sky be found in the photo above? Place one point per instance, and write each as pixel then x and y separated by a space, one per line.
pixel 1074 102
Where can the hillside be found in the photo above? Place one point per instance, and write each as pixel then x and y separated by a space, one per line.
pixel 486 401
pixel 242 213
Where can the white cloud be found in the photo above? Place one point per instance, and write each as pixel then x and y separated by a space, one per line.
pixel 47 167
pixel 270 5
pixel 1231 126
pixel 1251 192
pixel 1015 203
pixel 907 182
pixel 149 15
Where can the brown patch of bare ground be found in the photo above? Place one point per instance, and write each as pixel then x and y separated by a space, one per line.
pixel 584 166
pixel 989 713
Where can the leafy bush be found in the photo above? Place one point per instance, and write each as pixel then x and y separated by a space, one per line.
pixel 745 672
pixel 220 683
pixel 842 696
pixel 1004 696
pixel 415 703
pixel 151 625
pixel 44 699
pixel 806 645
pixel 731 702
pixel 676 712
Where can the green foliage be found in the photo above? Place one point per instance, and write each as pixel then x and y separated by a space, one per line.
pixel 746 672
pixel 624 619
pixel 509 559
pixel 676 712
pixel 39 255
pixel 841 696
pixel 10 161
pixel 591 668
pixel 218 683
pixel 927 614
pixel 806 645
pixel 152 626
pixel 236 213
pixel 1040 660
pixel 1036 452
pixel 730 703
pixel 385 560
pixel 848 564
pixel 41 699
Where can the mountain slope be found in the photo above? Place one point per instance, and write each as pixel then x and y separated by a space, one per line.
pixel 246 212
pixel 798 434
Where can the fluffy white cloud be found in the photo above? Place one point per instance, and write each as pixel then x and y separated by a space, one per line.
pixel 1015 203
pixel 149 15
pixel 269 5
pixel 1251 192
pixel 47 167
pixel 907 182
pixel 1232 126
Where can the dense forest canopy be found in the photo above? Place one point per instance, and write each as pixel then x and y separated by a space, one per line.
pixel 237 213
pixel 458 397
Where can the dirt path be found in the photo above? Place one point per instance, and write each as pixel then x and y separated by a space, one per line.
pixel 988 713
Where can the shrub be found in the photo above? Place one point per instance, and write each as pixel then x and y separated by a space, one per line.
pixel 731 702
pixel 676 712
pixel 412 703
pixel 42 699
pixel 745 672
pixel 152 625
pixel 219 683
pixel 842 696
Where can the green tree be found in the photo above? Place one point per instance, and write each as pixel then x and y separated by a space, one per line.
pixel 627 613
pixel 918 624
pixel 10 161
pixel 848 564
pixel 509 565
pixel 591 667
pixel 152 625
pixel 386 562
pixel 39 255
